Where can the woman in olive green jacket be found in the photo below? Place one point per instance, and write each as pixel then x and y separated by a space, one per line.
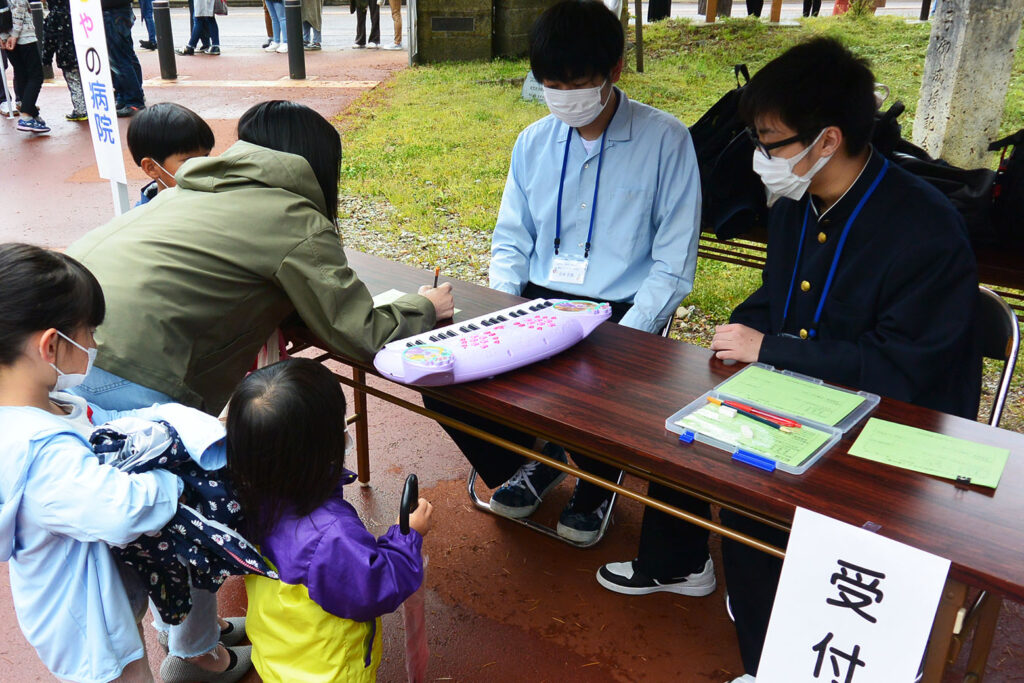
pixel 197 279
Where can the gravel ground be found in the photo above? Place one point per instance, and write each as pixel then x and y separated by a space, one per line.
pixel 370 226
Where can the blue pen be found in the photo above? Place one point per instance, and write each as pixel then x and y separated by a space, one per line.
pixel 754 460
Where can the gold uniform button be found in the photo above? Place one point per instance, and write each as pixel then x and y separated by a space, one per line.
pixel 805 286
pixel 803 334
pixel 822 237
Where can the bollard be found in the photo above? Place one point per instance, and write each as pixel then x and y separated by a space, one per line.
pixel 296 55
pixel 164 39
pixel 37 21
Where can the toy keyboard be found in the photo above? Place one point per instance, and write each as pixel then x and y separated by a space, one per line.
pixel 491 344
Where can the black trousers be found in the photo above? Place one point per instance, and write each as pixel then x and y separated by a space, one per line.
pixel 28 76
pixel 812 7
pixel 496 465
pixel 374 24
pixel 669 547
pixel 751 577
pixel 754 7
pixel 658 10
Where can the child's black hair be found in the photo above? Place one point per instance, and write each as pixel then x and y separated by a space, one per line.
pixel 42 289
pixel 285 442
pixel 295 128
pixel 164 129
pixel 813 85
pixel 575 39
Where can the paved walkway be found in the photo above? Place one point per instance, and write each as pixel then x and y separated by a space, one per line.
pixel 502 603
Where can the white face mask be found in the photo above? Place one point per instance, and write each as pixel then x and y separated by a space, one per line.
pixel 66 380
pixel 170 175
pixel 778 177
pixel 577 107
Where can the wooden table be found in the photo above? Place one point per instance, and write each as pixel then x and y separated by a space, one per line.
pixel 608 398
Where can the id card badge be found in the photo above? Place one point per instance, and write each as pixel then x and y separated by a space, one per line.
pixel 568 269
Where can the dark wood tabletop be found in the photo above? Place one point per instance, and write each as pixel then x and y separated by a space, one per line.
pixel 610 395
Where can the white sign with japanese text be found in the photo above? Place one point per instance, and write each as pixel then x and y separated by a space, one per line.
pixel 91 48
pixel 852 606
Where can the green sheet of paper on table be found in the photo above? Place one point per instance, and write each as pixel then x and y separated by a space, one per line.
pixel 788 394
pixel 790 448
pixel 931 453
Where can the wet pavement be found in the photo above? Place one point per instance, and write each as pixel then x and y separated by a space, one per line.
pixel 503 603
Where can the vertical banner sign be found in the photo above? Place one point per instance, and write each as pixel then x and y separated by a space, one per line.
pixel 852 606
pixel 91 48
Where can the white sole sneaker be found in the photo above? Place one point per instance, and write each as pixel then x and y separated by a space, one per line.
pixel 522 512
pixel 696 585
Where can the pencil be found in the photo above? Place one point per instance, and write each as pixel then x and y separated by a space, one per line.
pixel 437 272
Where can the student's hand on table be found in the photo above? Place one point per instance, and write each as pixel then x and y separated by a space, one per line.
pixel 737 342
pixel 419 519
pixel 441 297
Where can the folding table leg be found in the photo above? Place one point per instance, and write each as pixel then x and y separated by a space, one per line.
pixel 937 654
pixel 984 632
pixel 362 429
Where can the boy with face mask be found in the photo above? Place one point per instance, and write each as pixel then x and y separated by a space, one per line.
pixel 870 281
pixel 602 202
pixel 163 137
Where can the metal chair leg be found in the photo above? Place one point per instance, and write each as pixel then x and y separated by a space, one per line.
pixel 541 528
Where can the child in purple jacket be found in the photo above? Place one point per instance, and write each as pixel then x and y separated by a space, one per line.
pixel 286 450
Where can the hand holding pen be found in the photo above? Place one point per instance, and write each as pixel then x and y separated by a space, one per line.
pixel 440 296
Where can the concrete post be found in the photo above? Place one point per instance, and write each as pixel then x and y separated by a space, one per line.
pixel 37 23
pixel 165 40
pixel 293 24
pixel 966 74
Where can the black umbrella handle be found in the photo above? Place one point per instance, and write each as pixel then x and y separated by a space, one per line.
pixel 410 500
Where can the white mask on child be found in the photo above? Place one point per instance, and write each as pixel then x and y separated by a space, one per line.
pixel 69 380
pixel 577 107
pixel 169 174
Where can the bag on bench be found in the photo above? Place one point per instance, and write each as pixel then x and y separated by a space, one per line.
pixel 732 196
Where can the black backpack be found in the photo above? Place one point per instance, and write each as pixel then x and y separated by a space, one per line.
pixel 1008 190
pixel 732 196
pixel 6 20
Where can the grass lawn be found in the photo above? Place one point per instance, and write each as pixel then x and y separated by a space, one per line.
pixel 429 149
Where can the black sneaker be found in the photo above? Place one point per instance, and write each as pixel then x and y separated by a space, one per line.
pixel 147 44
pixel 623 577
pixel 520 496
pixel 582 525
pixel 128 110
pixel 213 50
pixel 187 51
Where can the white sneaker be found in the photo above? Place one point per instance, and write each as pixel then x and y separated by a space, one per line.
pixel 393 46
pixel 282 48
pixel 745 678
pixel 272 46
pixel 372 45
pixel 622 577
pixel 357 46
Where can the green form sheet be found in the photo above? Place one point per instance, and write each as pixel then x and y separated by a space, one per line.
pixel 735 429
pixel 775 391
pixel 931 453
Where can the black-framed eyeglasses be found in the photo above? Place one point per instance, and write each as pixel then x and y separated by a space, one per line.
pixel 766 148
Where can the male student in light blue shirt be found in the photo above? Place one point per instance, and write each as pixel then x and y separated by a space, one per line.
pixel 602 202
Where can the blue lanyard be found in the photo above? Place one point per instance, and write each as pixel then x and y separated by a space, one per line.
pixel 593 204
pixel 835 259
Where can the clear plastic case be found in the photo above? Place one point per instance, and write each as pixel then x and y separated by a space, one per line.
pixel 760 457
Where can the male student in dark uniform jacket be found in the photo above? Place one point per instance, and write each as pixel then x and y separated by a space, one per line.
pixel 870 281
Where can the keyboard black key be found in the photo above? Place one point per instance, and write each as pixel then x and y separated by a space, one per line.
pixel 546 304
pixel 433 338
pixel 408 343
pixel 464 328
pixel 473 327
pixel 502 319
pixel 485 323
pixel 521 312
pixel 453 333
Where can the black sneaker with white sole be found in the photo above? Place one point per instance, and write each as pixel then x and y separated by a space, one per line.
pixel 623 577
pixel 521 495
pixel 582 523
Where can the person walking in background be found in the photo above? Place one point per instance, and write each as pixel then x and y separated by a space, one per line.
pixel 23 52
pixel 270 27
pixel 60 41
pixel 204 28
pixel 396 18
pixel 312 20
pixel 146 9
pixel 359 7
pixel 279 42
pixel 812 7
pixel 125 70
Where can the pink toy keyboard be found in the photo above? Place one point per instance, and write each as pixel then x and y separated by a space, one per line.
pixel 491 344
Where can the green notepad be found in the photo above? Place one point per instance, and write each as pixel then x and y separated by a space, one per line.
pixel 787 394
pixel 738 430
pixel 931 453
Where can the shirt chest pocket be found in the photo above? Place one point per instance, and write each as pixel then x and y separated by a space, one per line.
pixel 631 219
